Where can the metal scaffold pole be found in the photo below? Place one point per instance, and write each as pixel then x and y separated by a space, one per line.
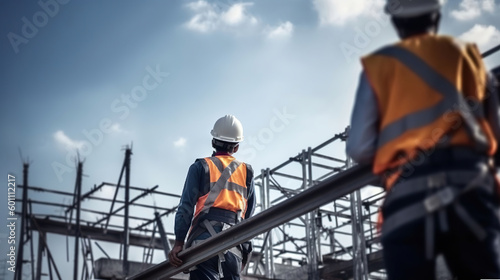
pixel 314 229
pixel 263 207
pixel 126 234
pixel 360 266
pixel 163 235
pixel 39 256
pixel 269 240
pixel 24 224
pixel 78 194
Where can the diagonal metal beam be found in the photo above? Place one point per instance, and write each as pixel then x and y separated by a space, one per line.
pixel 332 188
pixel 106 218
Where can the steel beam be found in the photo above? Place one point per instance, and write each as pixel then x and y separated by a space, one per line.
pixel 163 235
pixel 126 229
pixel 332 188
pixel 78 193
pixel 115 236
pixel 24 225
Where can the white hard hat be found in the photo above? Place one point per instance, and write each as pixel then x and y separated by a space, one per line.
pixel 411 8
pixel 228 129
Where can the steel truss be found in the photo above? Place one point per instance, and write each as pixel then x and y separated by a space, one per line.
pixel 335 241
pixel 114 226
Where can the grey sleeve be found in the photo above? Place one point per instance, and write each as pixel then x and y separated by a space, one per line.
pixel 363 134
pixel 493 109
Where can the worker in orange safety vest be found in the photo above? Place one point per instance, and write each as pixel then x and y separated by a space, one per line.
pixel 426 116
pixel 218 193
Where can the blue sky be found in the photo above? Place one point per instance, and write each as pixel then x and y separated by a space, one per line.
pixel 95 76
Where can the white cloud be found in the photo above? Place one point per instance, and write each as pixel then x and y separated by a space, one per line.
pixel 197 6
pixel 484 36
pixel 203 22
pixel 117 128
pixel 488 5
pixel 208 17
pixel 284 30
pixel 471 9
pixel 181 142
pixel 236 15
pixel 67 142
pixel 338 12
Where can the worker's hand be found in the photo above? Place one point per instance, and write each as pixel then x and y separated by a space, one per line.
pixel 244 261
pixel 172 256
pixel 243 264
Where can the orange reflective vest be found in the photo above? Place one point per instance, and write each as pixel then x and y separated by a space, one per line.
pixel 421 84
pixel 228 189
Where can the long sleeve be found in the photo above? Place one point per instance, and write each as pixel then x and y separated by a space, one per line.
pixel 190 193
pixel 493 109
pixel 363 134
pixel 250 201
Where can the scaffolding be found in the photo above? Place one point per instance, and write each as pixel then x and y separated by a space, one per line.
pixel 112 226
pixel 334 187
pixel 334 241
pixel 316 221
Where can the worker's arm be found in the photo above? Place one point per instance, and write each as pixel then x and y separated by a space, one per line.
pixel 363 135
pixel 246 247
pixel 493 109
pixel 184 215
pixel 251 193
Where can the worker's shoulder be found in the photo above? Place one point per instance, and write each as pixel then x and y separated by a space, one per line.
pixel 199 163
pixel 437 42
pixel 202 161
pixel 377 51
pixel 248 166
pixel 456 42
pixel 380 50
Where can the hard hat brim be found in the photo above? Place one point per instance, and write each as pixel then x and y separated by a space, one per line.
pixel 402 12
pixel 226 139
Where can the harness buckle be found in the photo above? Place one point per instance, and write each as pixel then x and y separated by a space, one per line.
pixel 439 200
pixel 436 180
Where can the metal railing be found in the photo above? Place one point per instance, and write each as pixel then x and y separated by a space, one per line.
pixel 324 192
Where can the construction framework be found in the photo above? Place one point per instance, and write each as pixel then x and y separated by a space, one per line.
pixel 313 223
pixel 147 233
pixel 336 241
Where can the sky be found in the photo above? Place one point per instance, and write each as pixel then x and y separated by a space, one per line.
pixel 96 76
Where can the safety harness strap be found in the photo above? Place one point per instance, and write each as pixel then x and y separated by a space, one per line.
pixel 423 183
pixel 218 163
pixel 212 232
pixel 434 203
pixel 452 97
pixel 221 182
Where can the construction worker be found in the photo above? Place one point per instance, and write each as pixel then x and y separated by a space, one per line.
pixel 218 192
pixel 426 116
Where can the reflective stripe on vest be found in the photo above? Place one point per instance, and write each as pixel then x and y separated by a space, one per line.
pixel 228 188
pixel 441 73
